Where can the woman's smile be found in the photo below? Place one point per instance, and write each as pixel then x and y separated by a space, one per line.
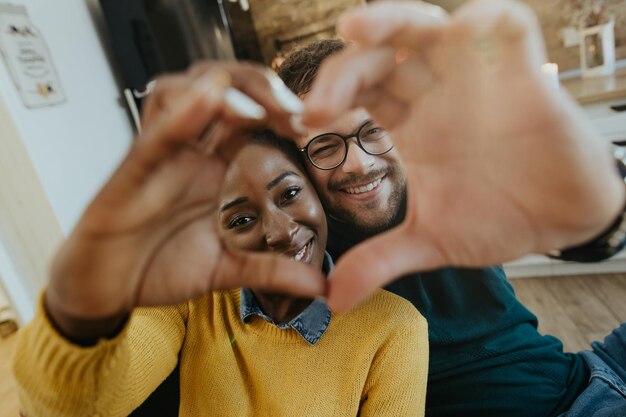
pixel 305 253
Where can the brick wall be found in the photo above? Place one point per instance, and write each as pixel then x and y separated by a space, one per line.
pixel 554 15
pixel 277 22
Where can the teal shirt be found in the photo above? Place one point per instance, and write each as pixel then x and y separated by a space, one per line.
pixel 486 356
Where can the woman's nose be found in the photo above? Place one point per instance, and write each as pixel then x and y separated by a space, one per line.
pixel 357 160
pixel 280 230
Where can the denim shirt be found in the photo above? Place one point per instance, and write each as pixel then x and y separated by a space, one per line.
pixel 311 323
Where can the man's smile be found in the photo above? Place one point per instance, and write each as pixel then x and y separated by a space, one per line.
pixel 360 189
pixel 364 191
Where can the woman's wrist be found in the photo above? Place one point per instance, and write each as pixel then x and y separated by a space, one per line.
pixel 82 330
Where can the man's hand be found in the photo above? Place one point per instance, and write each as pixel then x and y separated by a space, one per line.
pixel 149 236
pixel 499 164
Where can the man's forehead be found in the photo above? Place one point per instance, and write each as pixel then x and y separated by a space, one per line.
pixel 344 125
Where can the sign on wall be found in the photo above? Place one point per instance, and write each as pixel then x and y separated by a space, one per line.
pixel 28 59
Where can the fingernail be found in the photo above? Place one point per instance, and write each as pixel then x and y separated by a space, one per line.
pixel 285 97
pixel 243 105
pixel 214 83
pixel 296 124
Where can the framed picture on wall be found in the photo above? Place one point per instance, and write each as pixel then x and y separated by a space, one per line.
pixel 28 59
pixel 597 50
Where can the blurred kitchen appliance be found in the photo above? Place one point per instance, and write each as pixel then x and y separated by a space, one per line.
pixel 149 37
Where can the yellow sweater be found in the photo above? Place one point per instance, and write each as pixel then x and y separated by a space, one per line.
pixel 371 361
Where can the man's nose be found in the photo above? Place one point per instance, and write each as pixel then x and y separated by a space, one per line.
pixel 357 160
pixel 279 229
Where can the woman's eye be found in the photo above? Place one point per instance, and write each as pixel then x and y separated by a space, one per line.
pixel 290 194
pixel 239 222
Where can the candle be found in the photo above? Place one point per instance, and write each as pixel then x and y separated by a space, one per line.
pixel 551 72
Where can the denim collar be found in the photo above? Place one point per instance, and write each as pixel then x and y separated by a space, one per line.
pixel 311 323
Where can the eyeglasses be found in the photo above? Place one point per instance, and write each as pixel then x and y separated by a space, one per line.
pixel 329 150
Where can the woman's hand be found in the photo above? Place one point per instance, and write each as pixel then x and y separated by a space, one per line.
pixel 499 164
pixel 149 236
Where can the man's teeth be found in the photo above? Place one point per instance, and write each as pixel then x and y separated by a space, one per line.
pixel 364 188
pixel 299 255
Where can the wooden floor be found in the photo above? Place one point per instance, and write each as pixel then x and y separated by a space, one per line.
pixel 576 309
pixel 8 397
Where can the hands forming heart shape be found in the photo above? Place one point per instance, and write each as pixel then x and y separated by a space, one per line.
pixel 498 163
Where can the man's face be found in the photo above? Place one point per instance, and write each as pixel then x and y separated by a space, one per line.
pixel 346 191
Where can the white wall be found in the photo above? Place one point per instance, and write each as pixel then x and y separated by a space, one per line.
pixel 16 290
pixel 73 146
pixel 64 153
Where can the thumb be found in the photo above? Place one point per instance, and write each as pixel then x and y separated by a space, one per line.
pixel 376 262
pixel 269 272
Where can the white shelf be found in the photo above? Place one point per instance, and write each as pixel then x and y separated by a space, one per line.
pixel 609 123
pixel 538 265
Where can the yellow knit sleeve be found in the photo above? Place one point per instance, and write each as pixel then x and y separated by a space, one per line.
pixel 396 384
pixel 57 378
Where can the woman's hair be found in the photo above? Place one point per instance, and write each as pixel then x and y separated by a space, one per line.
pixel 267 137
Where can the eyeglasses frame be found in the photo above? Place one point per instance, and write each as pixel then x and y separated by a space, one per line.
pixel 345 141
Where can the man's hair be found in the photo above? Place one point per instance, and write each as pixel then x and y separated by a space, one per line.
pixel 267 137
pixel 300 67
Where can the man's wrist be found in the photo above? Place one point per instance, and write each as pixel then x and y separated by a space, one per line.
pixel 610 241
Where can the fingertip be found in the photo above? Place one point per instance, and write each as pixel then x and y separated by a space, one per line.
pixel 340 301
pixel 286 99
pixel 345 24
pixel 322 104
pixel 314 116
pixel 335 306
pixel 243 105
pixel 295 123
pixel 269 272
pixel 303 280
pixel 390 21
pixel 355 26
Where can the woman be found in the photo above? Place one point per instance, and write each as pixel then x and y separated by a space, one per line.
pixel 241 352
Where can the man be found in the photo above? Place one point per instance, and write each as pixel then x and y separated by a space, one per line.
pixel 487 358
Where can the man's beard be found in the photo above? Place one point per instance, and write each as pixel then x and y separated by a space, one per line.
pixel 386 217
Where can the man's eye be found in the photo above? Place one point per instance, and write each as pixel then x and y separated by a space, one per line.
pixel 240 221
pixel 324 151
pixel 374 133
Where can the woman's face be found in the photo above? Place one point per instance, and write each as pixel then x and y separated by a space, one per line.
pixel 268 204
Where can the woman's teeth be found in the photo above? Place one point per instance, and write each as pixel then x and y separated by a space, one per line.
pixel 298 257
pixel 364 188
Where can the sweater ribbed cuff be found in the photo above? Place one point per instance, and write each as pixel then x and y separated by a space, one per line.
pixel 46 362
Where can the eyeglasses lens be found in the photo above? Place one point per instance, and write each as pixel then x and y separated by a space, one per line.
pixel 374 139
pixel 327 151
